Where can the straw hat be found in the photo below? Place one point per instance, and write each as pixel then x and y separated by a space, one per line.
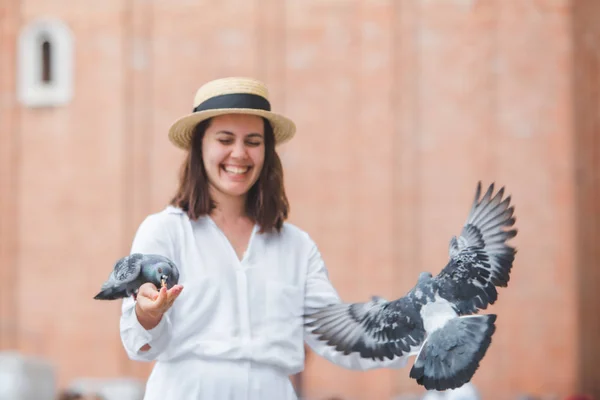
pixel 232 95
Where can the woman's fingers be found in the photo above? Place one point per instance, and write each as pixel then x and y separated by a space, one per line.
pixel 172 294
pixel 161 299
pixel 153 300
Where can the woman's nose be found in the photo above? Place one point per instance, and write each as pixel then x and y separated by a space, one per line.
pixel 239 151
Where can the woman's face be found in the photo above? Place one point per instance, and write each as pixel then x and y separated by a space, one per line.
pixel 233 150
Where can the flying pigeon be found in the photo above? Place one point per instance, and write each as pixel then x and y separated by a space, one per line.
pixel 435 320
pixel 132 271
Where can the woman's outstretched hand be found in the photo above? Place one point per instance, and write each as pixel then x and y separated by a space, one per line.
pixel 152 303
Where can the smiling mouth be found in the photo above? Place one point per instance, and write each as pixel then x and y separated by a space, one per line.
pixel 235 170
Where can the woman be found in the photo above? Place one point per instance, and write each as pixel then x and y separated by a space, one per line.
pixel 236 330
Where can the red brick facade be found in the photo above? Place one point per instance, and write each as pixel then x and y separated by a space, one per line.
pixel 401 107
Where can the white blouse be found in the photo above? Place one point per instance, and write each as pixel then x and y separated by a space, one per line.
pixel 235 331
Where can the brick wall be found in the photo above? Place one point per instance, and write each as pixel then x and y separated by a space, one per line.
pixel 401 107
pixel 586 105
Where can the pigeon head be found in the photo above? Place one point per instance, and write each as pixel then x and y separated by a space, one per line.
pixel 165 275
pixel 162 272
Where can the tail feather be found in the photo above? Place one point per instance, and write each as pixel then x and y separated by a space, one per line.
pixel 109 294
pixel 451 355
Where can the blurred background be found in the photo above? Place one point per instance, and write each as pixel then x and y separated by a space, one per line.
pixel 402 106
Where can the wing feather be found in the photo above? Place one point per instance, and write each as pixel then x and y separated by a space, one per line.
pixel 377 329
pixel 480 258
pixel 126 270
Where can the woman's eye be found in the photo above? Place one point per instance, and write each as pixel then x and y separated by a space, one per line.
pixel 254 144
pixel 225 141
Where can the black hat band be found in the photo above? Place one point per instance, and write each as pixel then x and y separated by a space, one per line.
pixel 234 100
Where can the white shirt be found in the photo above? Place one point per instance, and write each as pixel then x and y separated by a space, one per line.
pixel 235 331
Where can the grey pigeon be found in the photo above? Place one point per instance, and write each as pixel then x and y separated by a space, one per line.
pixel 434 319
pixel 132 271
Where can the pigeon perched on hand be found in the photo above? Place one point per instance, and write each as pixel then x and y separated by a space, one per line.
pixel 131 272
pixel 433 320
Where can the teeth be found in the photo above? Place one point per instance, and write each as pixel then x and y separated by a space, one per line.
pixel 236 170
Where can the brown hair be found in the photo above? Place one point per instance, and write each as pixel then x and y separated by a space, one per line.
pixel 266 202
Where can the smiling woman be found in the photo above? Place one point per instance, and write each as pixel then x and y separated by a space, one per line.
pixel 236 331
pixel 233 154
pixel 229 153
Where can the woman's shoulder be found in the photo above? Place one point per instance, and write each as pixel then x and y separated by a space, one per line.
pixel 159 233
pixel 292 232
pixel 167 217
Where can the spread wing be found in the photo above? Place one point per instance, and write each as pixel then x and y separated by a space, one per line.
pixel 377 329
pixel 480 259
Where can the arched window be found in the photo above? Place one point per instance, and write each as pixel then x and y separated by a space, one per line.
pixel 45 64
pixel 46 50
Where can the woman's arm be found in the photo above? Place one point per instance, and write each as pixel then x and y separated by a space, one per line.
pixel 319 292
pixel 145 326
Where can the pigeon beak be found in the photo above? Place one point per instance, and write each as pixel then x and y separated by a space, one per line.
pixel 163 280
